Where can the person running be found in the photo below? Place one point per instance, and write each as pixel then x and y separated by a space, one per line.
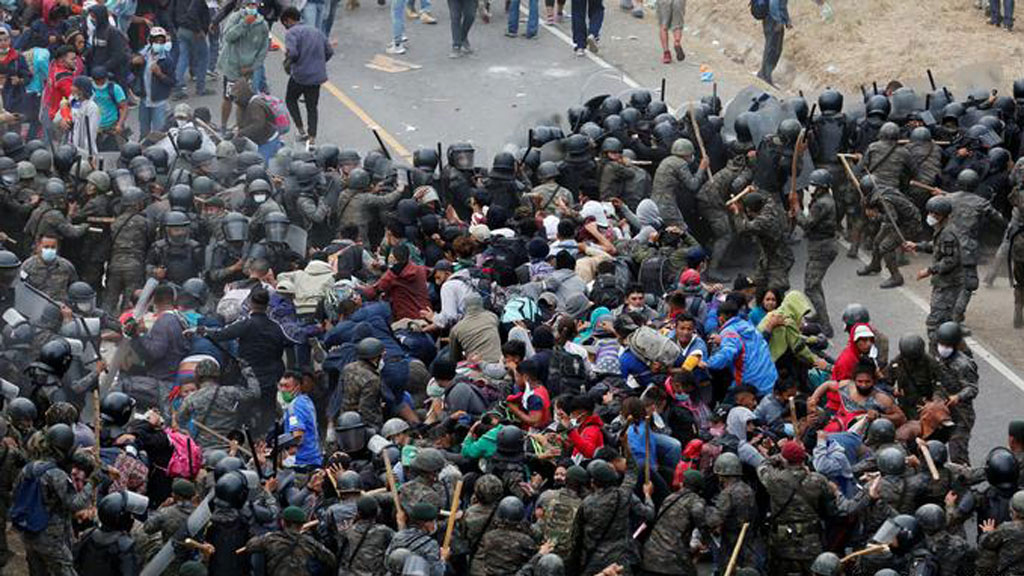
pixel 306 54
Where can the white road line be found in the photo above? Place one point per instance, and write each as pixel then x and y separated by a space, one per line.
pixel 975 344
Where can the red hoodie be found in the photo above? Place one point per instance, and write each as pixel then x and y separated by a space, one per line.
pixel 587 437
pixel 406 291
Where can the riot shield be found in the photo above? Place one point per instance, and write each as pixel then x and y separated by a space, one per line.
pixel 30 302
pixel 904 101
pixel 296 239
pixel 196 522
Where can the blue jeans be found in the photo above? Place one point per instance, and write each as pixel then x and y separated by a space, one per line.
pixel 532 20
pixel 194 53
pixel 397 21
pixel 259 80
pixel 151 118
pixel 313 14
pixel 582 11
pixel 424 5
pixel 668 449
pixel 1001 19
pixel 270 148
pixel 332 12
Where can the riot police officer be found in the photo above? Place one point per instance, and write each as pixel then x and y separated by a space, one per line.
pixel 274 246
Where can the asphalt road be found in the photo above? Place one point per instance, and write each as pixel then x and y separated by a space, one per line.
pixel 510 84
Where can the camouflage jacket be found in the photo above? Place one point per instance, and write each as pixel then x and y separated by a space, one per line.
pixel 667 550
pixel 361 383
pixel 505 548
pixel 364 546
pixel 290 553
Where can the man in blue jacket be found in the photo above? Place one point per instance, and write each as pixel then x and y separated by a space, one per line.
pixel 742 349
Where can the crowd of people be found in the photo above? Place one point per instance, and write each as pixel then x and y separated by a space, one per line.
pixel 221 354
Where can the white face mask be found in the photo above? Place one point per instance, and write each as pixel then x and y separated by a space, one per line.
pixel 289 461
pixel 573 422
pixel 945 351
pixel 931 220
pixel 259 198
pixel 380 365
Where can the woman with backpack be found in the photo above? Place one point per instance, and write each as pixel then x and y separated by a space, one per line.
pixel 257 121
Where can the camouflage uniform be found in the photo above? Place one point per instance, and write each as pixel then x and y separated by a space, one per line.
pixel 970 211
pixel 12 459
pixel 312 210
pixel 559 517
pixel 421 544
pixel 961 379
pixel 947 276
pixel 711 207
pixel 734 506
pixel 674 181
pixel 916 381
pixel 52 279
pixel 471 528
pixel 819 226
pixel 359 208
pixel 168 521
pixel 504 549
pixel 925 161
pixel 612 179
pixel 365 543
pixel 950 552
pixel 602 527
pixel 49 552
pixel 546 196
pixel 47 220
pixel 220 408
pixel 770 230
pixel 667 550
pixel 1003 548
pixel 126 270
pixel 896 216
pixel 289 552
pixel 181 262
pixel 799 500
pixel 419 489
pixel 887 161
pixel 361 382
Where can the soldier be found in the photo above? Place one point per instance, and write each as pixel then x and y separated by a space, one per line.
pixel 1001 547
pixel 897 218
pixel 774 160
pixel 827 564
pixel 93 256
pixel 959 386
pixel 226 257
pixel 946 273
pixel 602 525
pixel 763 221
pixel 578 172
pixel 424 487
pixel 549 197
pixel 832 134
pixel 418 540
pixel 358 203
pixel 613 170
pixel 274 247
pixel 290 551
pixel 470 530
pixel 733 507
pixel 667 550
pixel 560 511
pixel 48 543
pixel 230 526
pixel 109 549
pixel 219 408
pixel 258 204
pixel 799 500
pixel 914 374
pixel 169 519
pixel 459 180
pixel 49 273
pixel 970 212
pixel 129 244
pixel 676 185
pixel 949 550
pixel 176 257
pixel 711 204
pixel 507 544
pixel 819 222
pixel 925 160
pixel 361 382
pixel 362 552
pixel 991 502
pixel 49 219
pixel 18 428
pixel 501 184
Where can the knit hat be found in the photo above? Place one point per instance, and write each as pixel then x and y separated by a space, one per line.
pixel 794 452
pixel 183 488
pixel 293 515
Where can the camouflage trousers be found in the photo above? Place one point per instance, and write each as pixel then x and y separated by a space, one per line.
pixel 942 305
pixel 120 286
pixel 48 557
pixel 970 286
pixel 820 255
pixel 960 439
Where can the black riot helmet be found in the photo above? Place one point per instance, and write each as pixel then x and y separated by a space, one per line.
pixel 142 170
pixel 425 159
pixel 307 175
pixel 949 334
pixel 351 432
pixel 939 205
pixel 999 159
pixel 132 198
pixel 359 179
pixel 640 99
pixel 631 118
pixel 10 267
pixel 830 101
pixel 1001 468
pixel 867 185
pixel 510 440
pixel 22 410
pixel 789 130
pixel 892 461
pixel 116 409
pixel 611 145
pixel 665 134
pixel 55 355
pixel 276 227
pixel 235 227
pixel 577 145
pixel 613 124
pixel 460 155
pixel 203 187
pixel 611 105
pixel 821 178
pixel 920 134
pixel 931 518
pixel 232 489
pixel 503 167
pixel 226 465
pixel 180 198
pixel 8 171
pixel 577 115
pixel 712 103
pixel 82 297
pixel 61 439
pixel 42 160
pixel 547 171
pixel 14 146
pixel 993 123
pixel 349 158
pixel 742 127
pixel 327 156
pixel 65 157
pixel 159 157
pixel 177 228
pixel 889 132
pixel 196 289
pixel 878 106
pixel 189 140
pixel 128 152
pixel 880 433
pixel 248 159
pixel 1018 89
pixel 939 452
pixel 532 159
pixel 967 180
pixel 952 112
pixel 656 108
pixel 511 509
pixel 117 511
pixel 122 180
pixel 54 192
pixel 1007 108
pixel 753 202
pixel 800 108
pixel 912 346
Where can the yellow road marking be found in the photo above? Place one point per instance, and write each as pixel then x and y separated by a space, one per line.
pixel 362 115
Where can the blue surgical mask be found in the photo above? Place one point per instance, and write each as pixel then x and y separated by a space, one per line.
pixel 680 397
pixel 161 48
pixel 48 254
pixel 251 11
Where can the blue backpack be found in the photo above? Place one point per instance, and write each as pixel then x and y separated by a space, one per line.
pixel 28 511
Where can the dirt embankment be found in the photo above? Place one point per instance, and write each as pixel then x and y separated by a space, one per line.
pixel 869 40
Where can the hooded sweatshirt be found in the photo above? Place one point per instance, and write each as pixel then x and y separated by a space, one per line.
pixel 107 47
pixel 847 360
pixel 311 284
pixel 736 425
pixel 744 349
pixel 788 336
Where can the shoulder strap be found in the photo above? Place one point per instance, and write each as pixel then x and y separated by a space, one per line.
pixel 607 528
pixel 476 543
pixel 359 546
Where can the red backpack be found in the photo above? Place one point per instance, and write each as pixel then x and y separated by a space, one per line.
pixel 186 458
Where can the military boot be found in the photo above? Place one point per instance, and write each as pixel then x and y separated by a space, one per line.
pixel 872 268
pixel 1018 307
pixel 895 277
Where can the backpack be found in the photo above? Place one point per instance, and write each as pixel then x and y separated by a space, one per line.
pixel 759 9
pixel 480 284
pixel 29 514
pixel 652 347
pixel 186 458
pixel 656 276
pixel 566 372
pixel 278 109
pixel 606 292
pixel 232 305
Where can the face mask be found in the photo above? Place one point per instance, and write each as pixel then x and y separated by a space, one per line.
pixel 48 254
pixel 812 189
pixel 91 26
pixel 944 351
pixel 284 398
pixel 289 461
pixel 251 11
pixel 788 429
pixel 573 422
pixel 434 390
pixel 865 391
pixel 931 220
pixel 161 48
pixel 680 397
pixel 259 198
pixel 380 365
pixel 84 307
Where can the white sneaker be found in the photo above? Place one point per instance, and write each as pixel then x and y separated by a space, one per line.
pixel 580 52
pixel 395 49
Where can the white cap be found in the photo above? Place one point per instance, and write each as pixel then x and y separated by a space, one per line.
pixel 862 331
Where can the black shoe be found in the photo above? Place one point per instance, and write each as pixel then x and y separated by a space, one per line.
pixel 869 270
pixel 892 282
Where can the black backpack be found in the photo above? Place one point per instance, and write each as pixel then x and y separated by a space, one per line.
pixel 606 292
pixel 566 372
pixel 759 9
